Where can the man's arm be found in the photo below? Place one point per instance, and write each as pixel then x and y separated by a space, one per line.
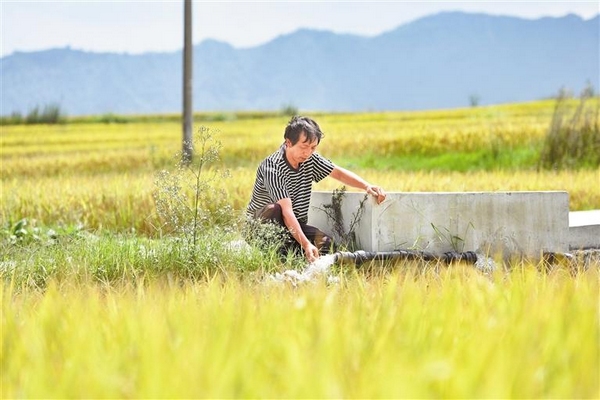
pixel 351 179
pixel 291 222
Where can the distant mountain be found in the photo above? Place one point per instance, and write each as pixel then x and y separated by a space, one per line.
pixel 440 61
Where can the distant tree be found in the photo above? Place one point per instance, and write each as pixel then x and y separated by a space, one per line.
pixel 289 110
pixel 588 90
pixel 474 100
pixel 564 93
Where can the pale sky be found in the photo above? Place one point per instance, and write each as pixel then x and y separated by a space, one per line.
pixel 143 26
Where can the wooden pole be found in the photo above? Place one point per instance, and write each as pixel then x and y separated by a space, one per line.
pixel 188 145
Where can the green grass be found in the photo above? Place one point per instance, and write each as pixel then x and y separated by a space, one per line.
pixel 41 255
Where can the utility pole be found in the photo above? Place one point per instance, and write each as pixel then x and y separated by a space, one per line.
pixel 188 145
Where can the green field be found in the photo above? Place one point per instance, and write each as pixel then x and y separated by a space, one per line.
pixel 104 296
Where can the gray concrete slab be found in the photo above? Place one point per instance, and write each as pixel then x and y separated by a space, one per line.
pixel 584 230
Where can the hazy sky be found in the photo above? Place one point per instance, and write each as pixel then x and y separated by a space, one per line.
pixel 142 26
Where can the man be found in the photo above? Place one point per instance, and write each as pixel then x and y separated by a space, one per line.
pixel 283 186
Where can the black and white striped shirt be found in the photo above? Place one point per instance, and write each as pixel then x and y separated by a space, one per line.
pixel 276 180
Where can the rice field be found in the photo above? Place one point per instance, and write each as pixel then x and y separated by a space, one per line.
pixel 98 302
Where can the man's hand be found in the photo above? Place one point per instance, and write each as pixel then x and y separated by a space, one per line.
pixel 311 252
pixel 350 178
pixel 376 191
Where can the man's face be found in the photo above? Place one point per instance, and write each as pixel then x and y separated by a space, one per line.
pixel 301 151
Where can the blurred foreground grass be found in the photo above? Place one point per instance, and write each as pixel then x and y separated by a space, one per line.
pixel 407 333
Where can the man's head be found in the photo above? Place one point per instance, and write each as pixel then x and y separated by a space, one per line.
pixel 299 125
pixel 302 136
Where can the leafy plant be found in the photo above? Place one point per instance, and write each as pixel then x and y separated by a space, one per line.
pixel 27 231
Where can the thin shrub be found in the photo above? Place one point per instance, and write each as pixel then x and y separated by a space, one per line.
pixel 189 194
pixel 188 199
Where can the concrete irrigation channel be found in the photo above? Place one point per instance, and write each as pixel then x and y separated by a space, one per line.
pixel 461 226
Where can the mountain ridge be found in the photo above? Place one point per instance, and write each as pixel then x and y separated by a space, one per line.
pixel 438 61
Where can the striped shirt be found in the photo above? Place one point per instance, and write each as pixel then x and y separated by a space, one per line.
pixel 276 180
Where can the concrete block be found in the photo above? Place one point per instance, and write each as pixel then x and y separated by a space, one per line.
pixel 584 230
pixel 490 223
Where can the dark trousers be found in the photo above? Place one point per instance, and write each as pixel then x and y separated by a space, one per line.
pixel 272 213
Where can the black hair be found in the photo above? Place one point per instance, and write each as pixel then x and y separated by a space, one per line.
pixel 299 124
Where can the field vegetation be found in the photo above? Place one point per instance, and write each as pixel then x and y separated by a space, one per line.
pixel 112 287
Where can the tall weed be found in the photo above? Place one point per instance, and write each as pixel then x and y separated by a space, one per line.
pixel 572 141
pixel 188 199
